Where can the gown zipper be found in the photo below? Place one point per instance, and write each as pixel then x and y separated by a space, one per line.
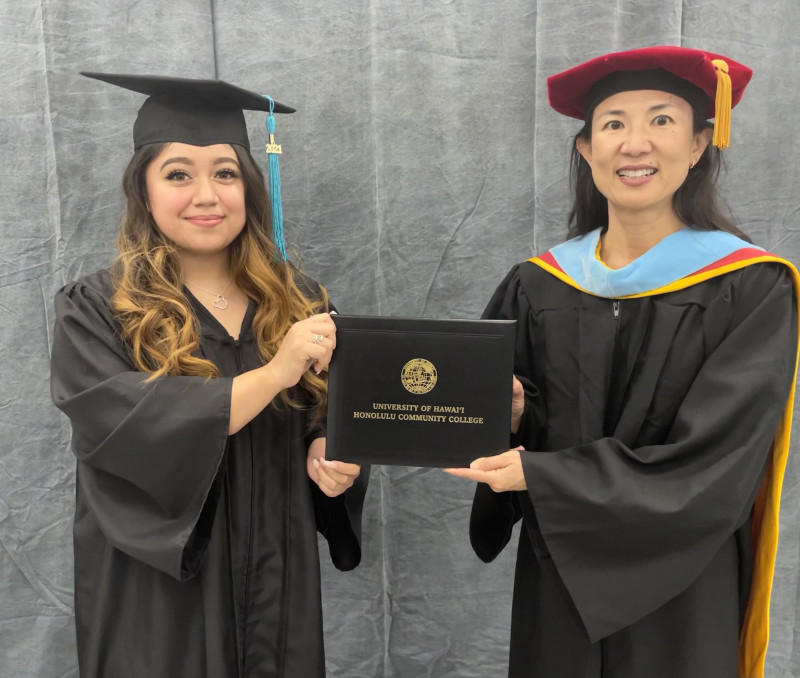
pixel 237 347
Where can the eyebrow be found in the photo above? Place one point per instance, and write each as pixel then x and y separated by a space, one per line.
pixel 189 161
pixel 652 109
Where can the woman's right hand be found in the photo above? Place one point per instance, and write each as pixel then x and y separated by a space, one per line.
pixel 308 343
pixel 517 404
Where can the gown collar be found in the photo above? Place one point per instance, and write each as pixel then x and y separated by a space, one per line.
pixel 676 256
pixel 211 328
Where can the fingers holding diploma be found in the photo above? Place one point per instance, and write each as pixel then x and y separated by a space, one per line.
pixel 502 472
pixel 332 477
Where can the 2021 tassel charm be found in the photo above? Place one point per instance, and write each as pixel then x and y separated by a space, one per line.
pixel 273 151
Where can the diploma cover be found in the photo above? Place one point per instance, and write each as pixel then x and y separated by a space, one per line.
pixel 419 391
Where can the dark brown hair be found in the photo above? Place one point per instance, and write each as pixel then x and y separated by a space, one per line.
pixel 156 317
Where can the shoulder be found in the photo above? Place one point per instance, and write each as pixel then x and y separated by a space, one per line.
pixel 759 293
pixel 305 283
pixel 763 280
pixel 90 293
pixel 523 290
pixel 307 286
pixel 522 272
pixel 749 274
pixel 769 273
pixel 540 278
pixel 99 284
pixel 739 262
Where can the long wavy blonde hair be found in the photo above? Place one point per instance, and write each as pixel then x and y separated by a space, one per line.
pixel 157 322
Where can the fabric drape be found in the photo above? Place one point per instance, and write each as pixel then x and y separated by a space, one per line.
pixel 422 163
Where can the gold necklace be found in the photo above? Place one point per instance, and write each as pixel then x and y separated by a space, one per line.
pixel 220 302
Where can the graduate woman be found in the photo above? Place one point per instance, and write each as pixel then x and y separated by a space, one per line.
pixel 192 373
pixel 657 350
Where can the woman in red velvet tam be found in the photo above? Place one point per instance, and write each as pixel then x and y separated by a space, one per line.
pixel 655 353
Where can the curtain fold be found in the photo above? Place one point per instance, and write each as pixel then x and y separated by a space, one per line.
pixel 422 163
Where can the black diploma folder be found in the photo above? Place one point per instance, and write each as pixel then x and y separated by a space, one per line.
pixel 419 391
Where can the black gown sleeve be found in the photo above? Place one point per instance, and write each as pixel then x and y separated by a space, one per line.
pixel 148 453
pixel 494 514
pixel 630 529
pixel 338 519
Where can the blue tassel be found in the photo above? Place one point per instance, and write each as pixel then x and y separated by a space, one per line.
pixel 273 151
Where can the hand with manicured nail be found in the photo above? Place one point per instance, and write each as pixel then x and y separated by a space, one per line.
pixel 502 472
pixel 332 477
pixel 308 344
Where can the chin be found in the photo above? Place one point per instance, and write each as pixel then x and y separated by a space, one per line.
pixel 641 203
pixel 201 250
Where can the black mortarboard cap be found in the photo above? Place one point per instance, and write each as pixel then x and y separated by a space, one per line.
pixel 203 113
pixel 191 111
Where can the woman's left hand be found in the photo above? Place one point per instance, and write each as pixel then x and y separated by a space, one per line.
pixel 503 472
pixel 332 477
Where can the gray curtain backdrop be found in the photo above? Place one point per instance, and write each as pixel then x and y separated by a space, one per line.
pixel 422 163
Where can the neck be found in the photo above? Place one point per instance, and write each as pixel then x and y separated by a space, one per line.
pixel 631 234
pixel 209 270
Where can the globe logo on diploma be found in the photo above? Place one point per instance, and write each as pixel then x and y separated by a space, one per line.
pixel 418 376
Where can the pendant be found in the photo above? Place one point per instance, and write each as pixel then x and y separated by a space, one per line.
pixel 220 302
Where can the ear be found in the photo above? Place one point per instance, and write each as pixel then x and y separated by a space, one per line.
pixel 701 141
pixel 584 147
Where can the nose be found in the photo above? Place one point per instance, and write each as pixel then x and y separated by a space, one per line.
pixel 205 192
pixel 637 140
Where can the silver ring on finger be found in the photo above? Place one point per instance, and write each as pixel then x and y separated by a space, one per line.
pixel 317 338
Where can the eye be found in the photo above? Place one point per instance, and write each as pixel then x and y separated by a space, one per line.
pixel 177 175
pixel 227 173
pixel 613 125
pixel 662 120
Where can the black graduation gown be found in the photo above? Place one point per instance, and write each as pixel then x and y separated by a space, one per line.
pixel 195 551
pixel 648 427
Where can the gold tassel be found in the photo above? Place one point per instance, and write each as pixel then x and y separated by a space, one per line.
pixel 722 106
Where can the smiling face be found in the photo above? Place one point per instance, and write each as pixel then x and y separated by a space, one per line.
pixel 642 145
pixel 196 196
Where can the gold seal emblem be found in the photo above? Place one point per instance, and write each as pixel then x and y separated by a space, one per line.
pixel 418 376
